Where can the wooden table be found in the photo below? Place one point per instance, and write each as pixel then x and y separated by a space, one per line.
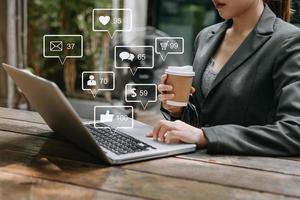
pixel 36 164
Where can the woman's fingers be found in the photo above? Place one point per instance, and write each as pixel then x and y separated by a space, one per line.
pixel 169 132
pixel 164 88
pixel 163 78
pixel 149 134
pixel 161 133
pixel 168 88
pixel 178 131
pixel 164 97
pixel 193 90
pixel 161 128
pixel 156 130
pixel 172 137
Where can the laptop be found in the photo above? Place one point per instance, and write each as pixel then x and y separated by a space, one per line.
pixel 108 143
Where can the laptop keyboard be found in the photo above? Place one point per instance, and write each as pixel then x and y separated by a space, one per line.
pixel 116 141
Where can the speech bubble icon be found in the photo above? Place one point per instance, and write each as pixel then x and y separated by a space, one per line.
pixel 95 81
pixel 126 56
pixel 165 46
pixel 141 93
pixel 131 57
pixel 112 20
pixel 142 55
pixel 62 47
pixel 117 117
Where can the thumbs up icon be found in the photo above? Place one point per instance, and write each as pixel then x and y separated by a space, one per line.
pixel 106 117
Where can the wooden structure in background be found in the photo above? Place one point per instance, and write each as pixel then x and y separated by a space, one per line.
pixel 13 46
pixel 3 85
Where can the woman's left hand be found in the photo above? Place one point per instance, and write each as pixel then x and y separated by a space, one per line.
pixel 178 131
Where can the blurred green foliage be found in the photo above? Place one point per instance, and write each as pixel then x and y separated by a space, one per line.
pixel 63 17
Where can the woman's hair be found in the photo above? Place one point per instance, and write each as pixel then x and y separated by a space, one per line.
pixel 282 8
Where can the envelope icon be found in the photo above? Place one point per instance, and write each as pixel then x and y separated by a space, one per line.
pixel 56 45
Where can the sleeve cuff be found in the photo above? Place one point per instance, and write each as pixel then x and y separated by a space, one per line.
pixel 167 115
pixel 213 144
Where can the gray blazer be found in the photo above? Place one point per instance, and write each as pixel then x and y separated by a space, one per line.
pixel 253 107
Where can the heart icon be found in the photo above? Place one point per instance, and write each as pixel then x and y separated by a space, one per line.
pixel 104 20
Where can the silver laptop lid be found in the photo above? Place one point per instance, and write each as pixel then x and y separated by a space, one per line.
pixel 54 108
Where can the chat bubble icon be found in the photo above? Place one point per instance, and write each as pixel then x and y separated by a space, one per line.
pixel 133 57
pixel 116 117
pixel 165 46
pixel 112 20
pixel 141 93
pixel 126 56
pixel 98 81
pixel 62 47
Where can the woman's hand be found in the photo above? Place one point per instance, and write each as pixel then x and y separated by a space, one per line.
pixel 163 97
pixel 178 131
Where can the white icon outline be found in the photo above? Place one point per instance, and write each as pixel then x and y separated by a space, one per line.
pixel 112 9
pixel 140 101
pixel 94 92
pixel 164 57
pixel 107 117
pixel 129 67
pixel 110 107
pixel 164 45
pixel 91 81
pixel 104 20
pixel 56 46
pixel 59 57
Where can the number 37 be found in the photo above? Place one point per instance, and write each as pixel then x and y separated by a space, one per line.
pixel 70 46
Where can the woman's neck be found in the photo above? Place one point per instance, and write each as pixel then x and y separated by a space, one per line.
pixel 244 23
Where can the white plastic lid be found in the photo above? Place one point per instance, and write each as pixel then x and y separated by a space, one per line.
pixel 181 71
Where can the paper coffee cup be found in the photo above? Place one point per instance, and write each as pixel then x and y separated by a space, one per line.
pixel 181 79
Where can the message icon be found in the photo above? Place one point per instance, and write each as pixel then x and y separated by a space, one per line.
pixel 95 81
pixel 169 45
pixel 62 47
pixel 112 20
pixel 113 116
pixel 56 46
pixel 134 57
pixel 141 93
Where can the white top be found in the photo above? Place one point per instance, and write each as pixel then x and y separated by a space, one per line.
pixel 208 77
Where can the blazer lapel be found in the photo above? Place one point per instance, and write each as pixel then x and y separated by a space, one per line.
pixel 260 34
pixel 212 42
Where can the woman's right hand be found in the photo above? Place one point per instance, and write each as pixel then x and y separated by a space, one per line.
pixel 166 94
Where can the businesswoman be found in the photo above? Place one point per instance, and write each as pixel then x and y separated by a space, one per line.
pixel 246 95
